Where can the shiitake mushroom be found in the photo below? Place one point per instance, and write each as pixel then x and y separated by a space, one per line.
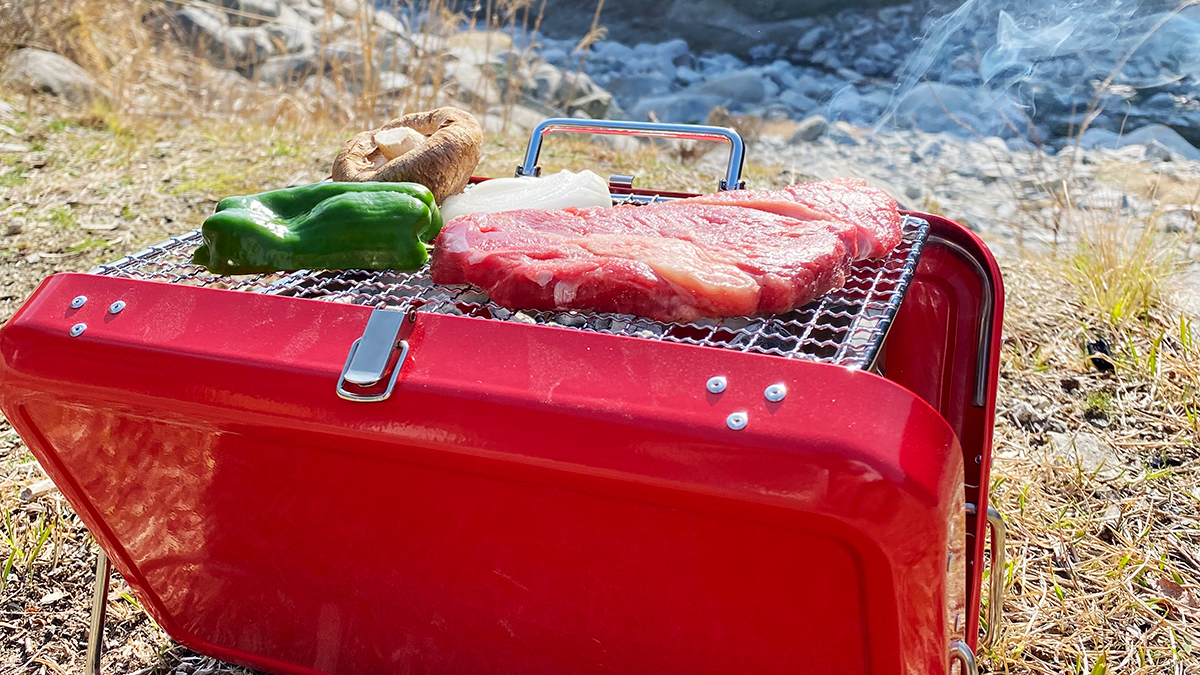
pixel 440 150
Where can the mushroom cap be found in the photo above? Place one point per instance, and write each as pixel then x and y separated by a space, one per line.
pixel 443 163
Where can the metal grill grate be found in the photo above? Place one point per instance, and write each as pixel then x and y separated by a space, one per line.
pixel 846 327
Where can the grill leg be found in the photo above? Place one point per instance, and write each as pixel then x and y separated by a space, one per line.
pixel 95 645
pixel 960 652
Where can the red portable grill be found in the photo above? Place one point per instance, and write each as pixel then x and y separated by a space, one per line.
pixel 365 472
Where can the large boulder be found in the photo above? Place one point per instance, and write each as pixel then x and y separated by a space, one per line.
pixel 287 69
pixel 937 107
pixel 681 108
pixel 746 86
pixel 34 70
pixel 1163 135
pixel 251 12
pixel 208 32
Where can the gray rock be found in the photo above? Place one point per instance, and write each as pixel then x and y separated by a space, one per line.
pixel 745 86
pixel 391 83
pixel 847 105
pixel 290 38
pixel 851 76
pixel 474 85
pixel 1165 135
pixel 672 50
pixel 576 85
pixel 798 102
pixel 810 86
pixel 1157 152
pixel 287 69
pixel 687 76
pixel 1098 138
pixel 348 8
pixel 608 50
pixel 882 52
pixel 866 66
pixel 928 148
pixel 1087 451
pixel 251 12
pixel 813 38
pixel 926 106
pixel 544 82
pixel 1161 100
pixel 34 70
pixel 684 107
pixel 223 46
pixel 390 23
pixel 321 87
pixel 596 105
pixel 397 56
pixel 810 129
pixel 1018 144
pixel 246 47
pixel 344 59
pixel 555 56
pixel 630 88
pixel 842 134
pixel 521 117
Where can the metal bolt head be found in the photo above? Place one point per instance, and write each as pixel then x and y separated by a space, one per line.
pixel 737 420
pixel 776 392
pixel 116 307
pixel 78 301
pixel 78 329
pixel 716 385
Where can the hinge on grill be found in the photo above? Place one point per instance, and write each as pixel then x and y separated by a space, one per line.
pixel 367 363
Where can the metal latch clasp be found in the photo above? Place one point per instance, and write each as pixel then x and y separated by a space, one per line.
pixel 368 360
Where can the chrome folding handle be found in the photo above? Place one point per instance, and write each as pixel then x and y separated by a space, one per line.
pixel 692 132
pixel 996 581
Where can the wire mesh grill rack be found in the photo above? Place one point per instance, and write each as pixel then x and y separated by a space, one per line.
pixel 845 327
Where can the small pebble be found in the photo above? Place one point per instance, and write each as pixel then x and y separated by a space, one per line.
pixel 16 225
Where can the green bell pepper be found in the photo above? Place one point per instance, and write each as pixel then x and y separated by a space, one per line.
pixel 321 226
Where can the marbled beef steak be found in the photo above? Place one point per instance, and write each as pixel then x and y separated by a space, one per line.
pixel 733 254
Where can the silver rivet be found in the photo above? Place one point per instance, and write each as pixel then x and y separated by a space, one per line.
pixel 78 329
pixel 78 301
pixel 776 392
pixel 737 420
pixel 116 307
pixel 716 384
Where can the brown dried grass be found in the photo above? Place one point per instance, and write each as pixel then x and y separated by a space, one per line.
pixel 1104 570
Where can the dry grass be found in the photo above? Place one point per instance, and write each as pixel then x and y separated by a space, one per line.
pixel 1122 264
pixel 1104 571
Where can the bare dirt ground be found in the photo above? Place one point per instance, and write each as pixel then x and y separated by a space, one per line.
pixel 1096 471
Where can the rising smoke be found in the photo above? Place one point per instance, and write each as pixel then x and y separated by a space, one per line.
pixel 1039 67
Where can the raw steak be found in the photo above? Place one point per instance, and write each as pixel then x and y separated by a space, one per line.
pixel 874 214
pixel 671 262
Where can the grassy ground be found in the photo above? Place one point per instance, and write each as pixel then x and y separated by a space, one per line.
pixel 1104 559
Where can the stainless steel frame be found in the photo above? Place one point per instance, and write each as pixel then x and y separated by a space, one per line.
pixel 995 608
pixel 959 651
pixel 692 132
pixel 95 642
